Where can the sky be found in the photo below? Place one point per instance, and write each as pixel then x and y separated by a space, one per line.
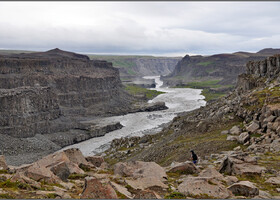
pixel 140 28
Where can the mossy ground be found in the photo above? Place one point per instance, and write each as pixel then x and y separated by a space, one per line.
pixel 137 90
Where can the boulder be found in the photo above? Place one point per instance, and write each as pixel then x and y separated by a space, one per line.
pixel 274 180
pixel 232 138
pixel 253 127
pixel 20 177
pixel 244 188
pixel 243 137
pixel 230 180
pixel 139 169
pixel 275 145
pixel 121 189
pixel 147 182
pixel 3 164
pixel 76 156
pixel 147 194
pixel 212 173
pixel 95 189
pixel 233 166
pixel 61 170
pixel 224 132
pixel 235 130
pixel 41 173
pixel 184 168
pixel 95 160
pixel 203 187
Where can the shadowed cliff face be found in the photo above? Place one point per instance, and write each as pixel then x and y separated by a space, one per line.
pixel 221 67
pixel 39 88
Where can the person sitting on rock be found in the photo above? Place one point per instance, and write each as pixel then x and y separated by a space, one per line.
pixel 194 157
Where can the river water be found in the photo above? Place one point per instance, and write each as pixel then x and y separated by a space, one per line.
pixel 138 124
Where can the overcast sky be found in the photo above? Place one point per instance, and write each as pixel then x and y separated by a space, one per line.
pixel 151 28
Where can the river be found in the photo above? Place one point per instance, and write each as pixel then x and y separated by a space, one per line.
pixel 137 124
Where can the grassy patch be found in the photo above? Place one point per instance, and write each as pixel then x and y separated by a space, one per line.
pixel 137 90
pixel 6 196
pixel 211 95
pixel 51 195
pixel 205 63
pixel 77 176
pixel 175 195
pixel 3 171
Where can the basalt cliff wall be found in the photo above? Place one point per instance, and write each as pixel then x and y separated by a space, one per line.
pixel 51 93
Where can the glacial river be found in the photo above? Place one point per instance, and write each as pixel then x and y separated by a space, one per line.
pixel 138 124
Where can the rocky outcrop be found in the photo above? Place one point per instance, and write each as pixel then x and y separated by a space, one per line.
pixel 49 93
pixel 223 67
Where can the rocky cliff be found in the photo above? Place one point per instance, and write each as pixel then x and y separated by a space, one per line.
pixel 222 68
pixel 52 92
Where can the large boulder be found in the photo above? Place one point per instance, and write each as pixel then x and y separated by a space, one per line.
pixel 203 187
pixel 147 194
pixel 147 182
pixel 233 166
pixel 3 164
pixel 184 168
pixel 20 177
pixel 244 188
pixel 253 127
pixel 41 173
pixel 139 169
pixel 211 172
pixel 61 170
pixel 76 156
pixel 95 160
pixel 275 145
pixel 273 180
pixel 235 130
pixel 95 189
pixel 243 137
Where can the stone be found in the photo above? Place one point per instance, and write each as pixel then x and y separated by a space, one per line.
pixel 41 173
pixel 271 118
pixel 263 195
pixel 234 166
pixel 147 194
pixel 237 148
pixel 20 177
pixel 94 189
pixel 95 160
pixel 244 188
pixel 224 132
pixel 243 137
pixel 139 169
pixel 212 173
pixel 235 130
pixel 201 186
pixel 61 170
pixel 253 127
pixel 275 145
pixel 274 180
pixel 230 180
pixel 76 156
pixel 147 182
pixel 121 190
pixel 184 168
pixel 232 138
pixel 3 164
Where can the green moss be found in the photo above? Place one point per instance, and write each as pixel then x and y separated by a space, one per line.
pixel 137 90
pixel 3 171
pixel 77 176
pixel 205 63
pixel 51 195
pixel 175 195
pixel 120 195
pixel 211 95
pixel 6 196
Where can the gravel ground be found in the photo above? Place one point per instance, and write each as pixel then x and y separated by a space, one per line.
pixel 25 150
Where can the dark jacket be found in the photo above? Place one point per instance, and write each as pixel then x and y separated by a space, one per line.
pixel 194 156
